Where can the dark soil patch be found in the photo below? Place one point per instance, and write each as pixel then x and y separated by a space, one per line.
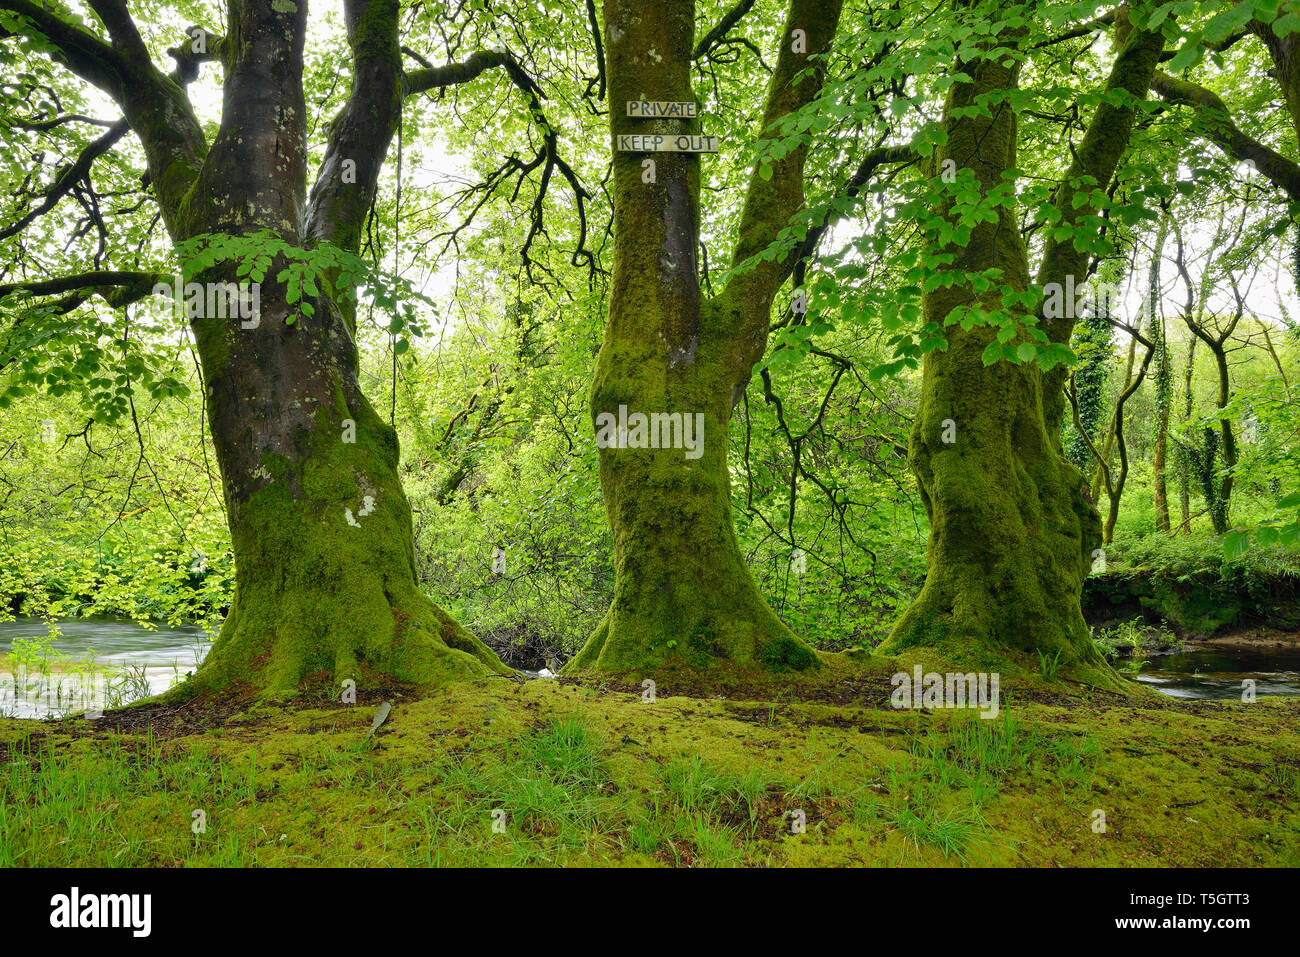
pixel 166 720
pixel 866 691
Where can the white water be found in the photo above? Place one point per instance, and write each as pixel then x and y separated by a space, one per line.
pixel 130 657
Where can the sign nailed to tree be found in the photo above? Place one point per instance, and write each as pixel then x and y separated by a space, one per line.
pixel 656 109
pixel 662 143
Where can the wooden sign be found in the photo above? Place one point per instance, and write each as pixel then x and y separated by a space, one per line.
pixel 665 143
pixel 660 109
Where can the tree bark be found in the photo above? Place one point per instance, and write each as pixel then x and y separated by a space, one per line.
pixel 1013 531
pixel 325 583
pixel 1184 458
pixel 1163 385
pixel 1199 320
pixel 1219 499
pixel 1010 534
pixel 683 596
pixel 1114 494
pixel 320 526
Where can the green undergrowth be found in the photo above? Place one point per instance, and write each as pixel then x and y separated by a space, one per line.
pixel 495 772
pixel 1190 584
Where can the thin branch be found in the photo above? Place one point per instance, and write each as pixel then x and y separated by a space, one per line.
pixel 722 28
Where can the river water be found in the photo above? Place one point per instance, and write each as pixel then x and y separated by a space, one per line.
pixel 1218 673
pixel 135 662
pixel 149 660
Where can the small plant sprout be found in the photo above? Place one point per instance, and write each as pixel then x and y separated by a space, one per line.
pixel 1048 665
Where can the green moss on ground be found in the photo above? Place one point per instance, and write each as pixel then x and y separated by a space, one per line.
pixel 589 773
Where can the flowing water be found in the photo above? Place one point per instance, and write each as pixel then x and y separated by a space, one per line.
pixel 1219 673
pixel 129 661
pixel 94 662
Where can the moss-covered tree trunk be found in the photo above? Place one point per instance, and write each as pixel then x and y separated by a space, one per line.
pixel 1164 392
pixel 1184 455
pixel 325 581
pixel 1218 497
pixel 320 526
pixel 1160 452
pixel 1013 532
pixel 683 594
pixel 1011 535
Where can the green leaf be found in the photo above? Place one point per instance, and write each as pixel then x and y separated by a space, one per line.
pixel 1235 544
pixel 1189 53
pixel 1287 24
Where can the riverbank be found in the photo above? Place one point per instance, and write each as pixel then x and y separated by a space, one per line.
pixel 562 772
pixel 1267 639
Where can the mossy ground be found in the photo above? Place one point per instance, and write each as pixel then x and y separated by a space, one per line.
pixel 588 773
